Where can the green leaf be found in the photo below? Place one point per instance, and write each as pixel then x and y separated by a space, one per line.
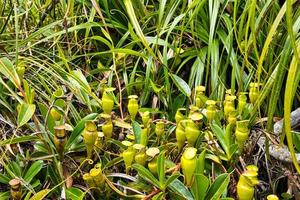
pixel 75 193
pixel 146 92
pixel 53 175
pixel 214 158
pixel 102 40
pixel 289 95
pixel 27 197
pixel 50 121
pixel 218 187
pixel 296 140
pixel 161 168
pixel 201 182
pixel 16 168
pixel 200 186
pixel 146 175
pixel 26 111
pixel 158 196
pixel 81 87
pixel 4 179
pixel 122 124
pixel 36 183
pixel 41 194
pixel 155 88
pixel 4 195
pixel 178 102
pixel 113 162
pixel 14 140
pixel 171 179
pixel 220 135
pixel 178 187
pixel 34 169
pixel 8 70
pixel 137 131
pixel 181 84
pixel 80 79
pixel 233 148
pixel 201 163
pixel 269 38
pixel 78 129
pixel 135 24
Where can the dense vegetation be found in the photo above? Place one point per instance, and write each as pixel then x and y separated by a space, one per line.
pixel 148 99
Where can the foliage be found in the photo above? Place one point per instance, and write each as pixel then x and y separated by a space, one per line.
pixel 59 63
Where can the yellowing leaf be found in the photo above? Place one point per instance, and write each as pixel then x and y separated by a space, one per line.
pixel 134 21
pixel 8 70
pixel 40 195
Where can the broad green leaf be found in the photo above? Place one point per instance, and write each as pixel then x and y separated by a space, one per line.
pixel 155 88
pixel 25 112
pixel 14 140
pixel 81 87
pixel 41 149
pixel 218 187
pixel 171 179
pixel 33 170
pixel 27 197
pixel 161 168
pixel 4 179
pixel 16 168
pixel 75 193
pixel 8 70
pixel 200 186
pixel 146 174
pixel 233 148
pixel 220 135
pixel 159 196
pixel 201 182
pixel 137 131
pixel 36 183
pixel 178 187
pixel 214 158
pixel 80 78
pixel 117 191
pixel 181 84
pixel 53 175
pixel 29 92
pixel 178 102
pixel 78 129
pixel 5 195
pixel 201 163
pixel 113 162
pixel 296 140
pixel 50 121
